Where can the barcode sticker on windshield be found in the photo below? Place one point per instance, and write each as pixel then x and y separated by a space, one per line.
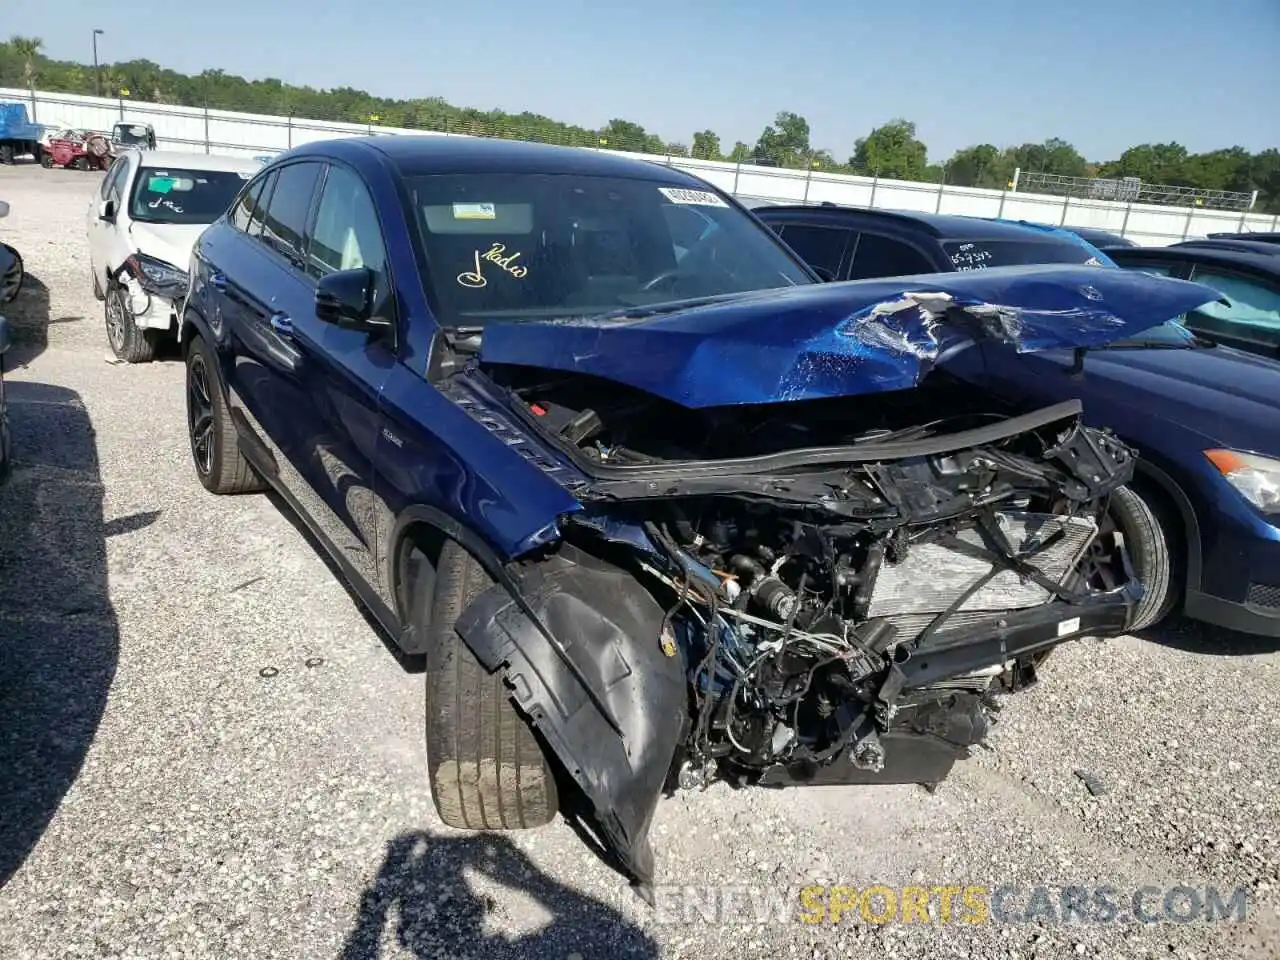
pixel 474 211
pixel 701 198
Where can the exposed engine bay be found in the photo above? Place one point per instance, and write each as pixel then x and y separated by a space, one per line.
pixel 844 616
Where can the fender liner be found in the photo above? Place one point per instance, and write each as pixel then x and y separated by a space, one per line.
pixel 608 628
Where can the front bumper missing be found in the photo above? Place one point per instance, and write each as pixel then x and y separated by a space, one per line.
pixel 578 644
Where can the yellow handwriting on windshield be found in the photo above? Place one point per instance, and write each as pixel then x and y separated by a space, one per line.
pixel 474 278
pixel 508 263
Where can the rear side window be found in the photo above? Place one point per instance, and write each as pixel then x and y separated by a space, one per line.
pixel 1249 302
pixel 877 256
pixel 259 213
pixel 821 247
pixel 285 225
pixel 244 209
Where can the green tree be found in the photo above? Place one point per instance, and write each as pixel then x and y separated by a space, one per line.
pixel 1054 156
pixel 785 142
pixel 979 166
pixel 27 49
pixel 891 151
pixel 625 135
pixel 706 145
pixel 1150 162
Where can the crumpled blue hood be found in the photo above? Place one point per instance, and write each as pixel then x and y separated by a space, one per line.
pixel 841 339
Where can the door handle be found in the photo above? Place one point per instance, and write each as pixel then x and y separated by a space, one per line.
pixel 282 324
pixel 218 281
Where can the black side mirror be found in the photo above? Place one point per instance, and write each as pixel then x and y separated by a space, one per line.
pixel 108 214
pixel 345 298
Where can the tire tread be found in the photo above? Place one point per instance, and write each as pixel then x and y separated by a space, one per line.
pixel 486 768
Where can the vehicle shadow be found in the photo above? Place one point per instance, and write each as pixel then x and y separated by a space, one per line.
pixel 408 662
pixel 29 320
pixel 59 641
pixel 1193 636
pixel 422 897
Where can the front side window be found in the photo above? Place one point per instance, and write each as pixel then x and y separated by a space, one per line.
pixel 877 256
pixel 347 234
pixel 111 182
pixel 168 195
pixel 821 247
pixel 515 246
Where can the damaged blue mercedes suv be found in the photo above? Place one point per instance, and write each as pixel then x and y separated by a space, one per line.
pixel 655 505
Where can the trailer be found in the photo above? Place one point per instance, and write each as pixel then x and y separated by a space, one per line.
pixel 18 135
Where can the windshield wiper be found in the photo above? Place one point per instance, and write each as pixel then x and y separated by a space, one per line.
pixel 638 312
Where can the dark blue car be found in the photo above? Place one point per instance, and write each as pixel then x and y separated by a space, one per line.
pixel 655 504
pixel 1205 418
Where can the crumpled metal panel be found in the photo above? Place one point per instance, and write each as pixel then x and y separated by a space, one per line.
pixel 843 339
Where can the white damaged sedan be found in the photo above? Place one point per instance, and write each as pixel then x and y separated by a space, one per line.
pixel 141 223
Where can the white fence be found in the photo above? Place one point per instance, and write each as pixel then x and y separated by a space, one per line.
pixel 222 131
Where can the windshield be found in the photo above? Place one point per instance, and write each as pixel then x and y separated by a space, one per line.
pixel 131 134
pixel 516 246
pixel 183 196
pixel 981 254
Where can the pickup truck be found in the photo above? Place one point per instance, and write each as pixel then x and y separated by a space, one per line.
pixel 18 135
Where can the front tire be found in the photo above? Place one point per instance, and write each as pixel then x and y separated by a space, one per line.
pixel 1146 537
pixel 215 449
pixel 129 342
pixel 486 768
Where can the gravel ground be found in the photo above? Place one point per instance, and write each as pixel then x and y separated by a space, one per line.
pixel 206 750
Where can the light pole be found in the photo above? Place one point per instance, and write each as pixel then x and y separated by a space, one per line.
pixel 97 74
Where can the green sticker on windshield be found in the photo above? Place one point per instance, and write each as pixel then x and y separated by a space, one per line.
pixel 160 184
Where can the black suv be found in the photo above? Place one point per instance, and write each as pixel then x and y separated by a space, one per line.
pixel 844 243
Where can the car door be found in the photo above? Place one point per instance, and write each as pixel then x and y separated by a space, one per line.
pixel 1249 319
pixel 100 232
pixel 352 368
pixel 271 332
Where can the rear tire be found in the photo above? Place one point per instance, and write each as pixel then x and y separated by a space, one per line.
pixel 486 768
pixel 215 447
pixel 1147 539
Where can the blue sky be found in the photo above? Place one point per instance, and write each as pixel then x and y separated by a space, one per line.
pixel 1104 76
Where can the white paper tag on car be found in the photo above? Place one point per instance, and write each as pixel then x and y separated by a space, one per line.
pixel 701 198
pixel 1066 627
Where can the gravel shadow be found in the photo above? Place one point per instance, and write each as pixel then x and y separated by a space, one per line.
pixel 59 640
pixel 422 892
pixel 1193 636
pixel 29 320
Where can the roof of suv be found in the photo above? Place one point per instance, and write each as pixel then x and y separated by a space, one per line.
pixel 1222 256
pixel 941 225
pixel 426 153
